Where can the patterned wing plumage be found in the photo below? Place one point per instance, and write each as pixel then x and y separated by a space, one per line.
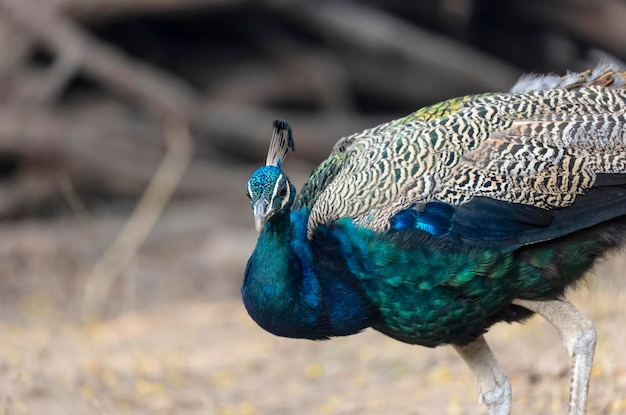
pixel 539 148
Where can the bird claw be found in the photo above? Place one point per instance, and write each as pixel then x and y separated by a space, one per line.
pixel 498 400
pixel 494 388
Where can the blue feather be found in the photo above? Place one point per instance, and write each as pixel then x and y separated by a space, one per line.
pixel 434 217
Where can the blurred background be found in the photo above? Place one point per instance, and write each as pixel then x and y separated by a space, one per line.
pixel 128 129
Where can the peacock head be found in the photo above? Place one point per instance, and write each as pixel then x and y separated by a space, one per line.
pixel 269 189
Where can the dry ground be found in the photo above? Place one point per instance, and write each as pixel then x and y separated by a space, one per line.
pixel 209 358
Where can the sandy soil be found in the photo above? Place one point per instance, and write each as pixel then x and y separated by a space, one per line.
pixel 210 358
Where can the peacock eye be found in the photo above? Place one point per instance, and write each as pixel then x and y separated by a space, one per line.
pixel 248 195
pixel 283 191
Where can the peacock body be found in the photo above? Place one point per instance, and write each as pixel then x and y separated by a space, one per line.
pixel 435 226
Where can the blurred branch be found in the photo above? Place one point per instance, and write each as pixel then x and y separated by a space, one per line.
pixel 376 31
pixel 598 22
pixel 34 186
pixel 395 82
pixel 311 76
pixel 96 10
pixel 106 149
pixel 22 83
pixel 14 47
pixel 74 45
pixel 125 247
pixel 244 130
pixel 121 156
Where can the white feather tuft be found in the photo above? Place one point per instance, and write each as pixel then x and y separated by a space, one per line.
pixel 281 142
pixel 535 82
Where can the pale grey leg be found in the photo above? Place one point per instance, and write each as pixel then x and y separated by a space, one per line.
pixel 494 389
pixel 579 337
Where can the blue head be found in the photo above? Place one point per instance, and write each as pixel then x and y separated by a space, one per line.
pixel 270 192
pixel 269 189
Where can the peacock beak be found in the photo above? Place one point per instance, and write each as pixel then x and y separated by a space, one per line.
pixel 261 212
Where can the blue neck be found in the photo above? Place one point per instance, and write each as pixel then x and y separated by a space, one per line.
pixel 290 293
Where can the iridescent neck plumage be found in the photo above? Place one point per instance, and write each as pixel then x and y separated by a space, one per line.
pixel 274 289
pixel 290 293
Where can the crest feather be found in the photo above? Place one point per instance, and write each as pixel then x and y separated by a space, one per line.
pixel 281 142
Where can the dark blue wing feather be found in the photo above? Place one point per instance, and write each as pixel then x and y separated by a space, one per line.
pixel 485 220
pixel 434 217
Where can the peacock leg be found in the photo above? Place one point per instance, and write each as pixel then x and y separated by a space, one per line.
pixel 494 389
pixel 579 337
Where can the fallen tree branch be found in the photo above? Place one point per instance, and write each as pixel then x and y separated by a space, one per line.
pixel 120 72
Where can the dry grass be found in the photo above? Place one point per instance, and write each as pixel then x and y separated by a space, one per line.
pixel 211 359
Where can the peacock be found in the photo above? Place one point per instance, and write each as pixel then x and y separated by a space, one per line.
pixel 435 226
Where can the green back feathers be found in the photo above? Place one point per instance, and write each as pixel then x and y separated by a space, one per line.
pixel 440 109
